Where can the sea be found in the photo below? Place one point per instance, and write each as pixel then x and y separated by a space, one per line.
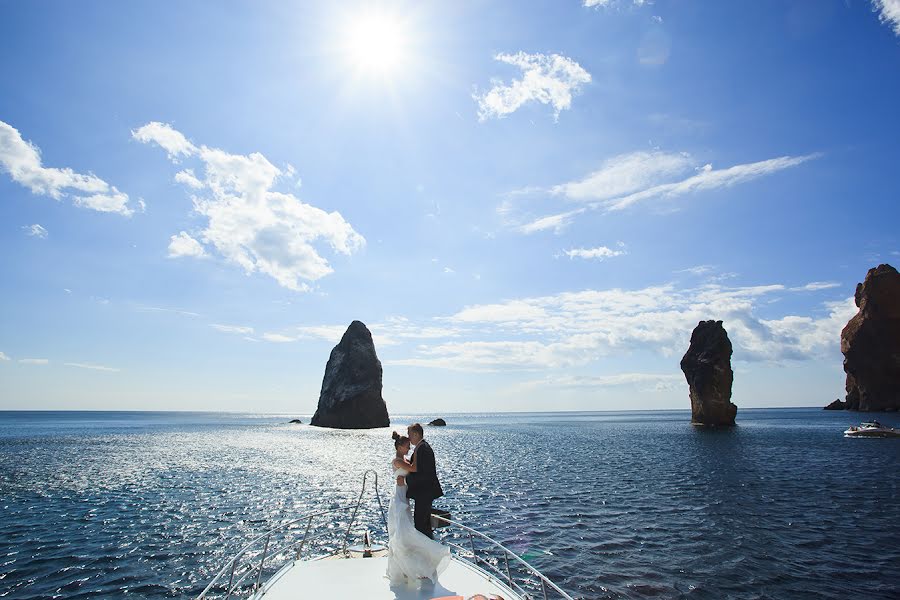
pixel 607 504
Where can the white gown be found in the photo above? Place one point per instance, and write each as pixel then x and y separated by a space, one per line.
pixel 411 554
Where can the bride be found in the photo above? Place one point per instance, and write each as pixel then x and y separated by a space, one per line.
pixel 412 556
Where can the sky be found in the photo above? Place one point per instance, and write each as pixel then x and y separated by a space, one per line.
pixel 530 204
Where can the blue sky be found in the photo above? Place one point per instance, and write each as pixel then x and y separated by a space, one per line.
pixel 531 204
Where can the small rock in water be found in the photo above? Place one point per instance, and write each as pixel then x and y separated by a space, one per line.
pixel 838 404
pixel 296 421
pixel 438 422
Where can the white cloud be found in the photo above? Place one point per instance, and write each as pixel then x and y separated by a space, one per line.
pixel 3 357
pixel 888 13
pixel 629 179
pixel 167 138
pixel 176 311
pixel 611 3
pixel 576 328
pixel 184 245
pixel 243 330
pixel 599 253
pixel 556 222
pixel 252 225
pixel 697 270
pixel 92 367
pixel 22 160
pixel 188 178
pixel 709 179
pixel 626 174
pixel 114 202
pixel 549 79
pixel 642 381
pixel 815 286
pixel 34 361
pixel 35 230
pixel 278 338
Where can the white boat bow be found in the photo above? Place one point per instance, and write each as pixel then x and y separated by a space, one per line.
pixel 310 557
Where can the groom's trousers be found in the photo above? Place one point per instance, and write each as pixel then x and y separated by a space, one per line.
pixel 422 515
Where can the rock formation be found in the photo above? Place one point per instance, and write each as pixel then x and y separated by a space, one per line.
pixel 438 422
pixel 838 404
pixel 871 343
pixel 351 389
pixel 707 368
pixel 298 421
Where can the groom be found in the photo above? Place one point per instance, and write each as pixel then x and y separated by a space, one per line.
pixel 423 485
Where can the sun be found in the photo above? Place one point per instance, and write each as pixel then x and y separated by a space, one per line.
pixel 376 43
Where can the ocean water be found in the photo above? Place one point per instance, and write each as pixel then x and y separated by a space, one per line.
pixel 609 505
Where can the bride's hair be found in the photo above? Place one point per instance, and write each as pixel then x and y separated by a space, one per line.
pixel 399 440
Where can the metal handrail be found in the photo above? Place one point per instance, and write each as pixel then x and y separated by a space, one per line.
pixel 359 501
pixel 255 563
pixel 298 544
pixel 233 562
pixel 507 554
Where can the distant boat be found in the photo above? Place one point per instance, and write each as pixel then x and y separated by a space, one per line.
pixel 309 557
pixel 871 429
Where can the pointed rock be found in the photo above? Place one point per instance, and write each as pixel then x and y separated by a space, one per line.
pixel 871 343
pixel 707 368
pixel 351 389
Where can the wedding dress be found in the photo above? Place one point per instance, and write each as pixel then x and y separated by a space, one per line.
pixel 411 554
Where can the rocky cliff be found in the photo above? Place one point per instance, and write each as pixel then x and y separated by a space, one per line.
pixel 707 368
pixel 351 389
pixel 871 343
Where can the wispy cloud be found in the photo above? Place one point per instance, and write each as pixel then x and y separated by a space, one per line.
pixel 3 357
pixel 815 286
pixel 35 230
pixel 598 253
pixel 239 329
pixel 184 313
pixel 22 161
pixel 549 79
pixel 641 381
pixel 248 223
pixel 888 13
pixel 91 367
pixel 184 245
pixel 278 338
pixel 612 3
pixel 34 361
pixel 630 179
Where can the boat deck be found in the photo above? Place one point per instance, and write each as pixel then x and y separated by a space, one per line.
pixel 364 578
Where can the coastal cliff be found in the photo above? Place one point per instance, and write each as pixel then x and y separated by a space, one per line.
pixel 351 388
pixel 707 368
pixel 870 343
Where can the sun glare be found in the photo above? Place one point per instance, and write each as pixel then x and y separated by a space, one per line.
pixel 376 43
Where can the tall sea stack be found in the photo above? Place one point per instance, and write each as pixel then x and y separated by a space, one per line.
pixel 871 343
pixel 707 368
pixel 351 389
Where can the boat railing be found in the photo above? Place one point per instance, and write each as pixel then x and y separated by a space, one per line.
pixel 290 541
pixel 498 561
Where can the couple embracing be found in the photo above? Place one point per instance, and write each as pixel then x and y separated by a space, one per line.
pixel 413 555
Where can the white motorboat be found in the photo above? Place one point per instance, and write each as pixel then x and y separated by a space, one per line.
pixel 871 429
pixel 310 557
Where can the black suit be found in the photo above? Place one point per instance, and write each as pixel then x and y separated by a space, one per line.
pixel 423 487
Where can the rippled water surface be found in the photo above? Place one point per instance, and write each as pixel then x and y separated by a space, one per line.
pixel 609 505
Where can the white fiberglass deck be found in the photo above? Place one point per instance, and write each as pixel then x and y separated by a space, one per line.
pixel 364 578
